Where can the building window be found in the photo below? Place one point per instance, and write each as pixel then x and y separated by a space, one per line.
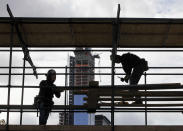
pixel 78 77
pixel 78 62
pixel 85 69
pixel 85 62
pixel 78 70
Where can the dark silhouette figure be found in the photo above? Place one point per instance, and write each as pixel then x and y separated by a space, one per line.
pixel 47 90
pixel 134 67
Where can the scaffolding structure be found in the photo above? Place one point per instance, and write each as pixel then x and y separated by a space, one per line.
pixel 177 95
pixel 167 33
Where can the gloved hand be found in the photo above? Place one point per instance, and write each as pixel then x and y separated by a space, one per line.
pixel 123 79
pixel 126 78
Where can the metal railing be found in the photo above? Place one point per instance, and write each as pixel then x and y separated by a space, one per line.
pixel 65 108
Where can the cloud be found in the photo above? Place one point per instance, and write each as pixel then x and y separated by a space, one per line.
pixel 38 8
pixel 165 118
pixel 79 8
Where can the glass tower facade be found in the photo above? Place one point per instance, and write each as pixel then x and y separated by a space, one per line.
pixel 81 77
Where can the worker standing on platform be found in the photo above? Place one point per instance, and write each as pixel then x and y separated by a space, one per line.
pixel 47 90
pixel 134 67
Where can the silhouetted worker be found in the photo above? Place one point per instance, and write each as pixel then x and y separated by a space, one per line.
pixel 47 90
pixel 134 67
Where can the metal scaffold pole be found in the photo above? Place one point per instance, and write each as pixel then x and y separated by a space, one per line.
pixel 115 41
pixel 9 77
pixel 145 82
pixel 65 100
pixel 22 96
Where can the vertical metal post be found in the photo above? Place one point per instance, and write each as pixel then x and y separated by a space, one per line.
pixel 145 80
pixel 65 102
pixel 22 96
pixel 112 84
pixel 9 77
pixel 115 42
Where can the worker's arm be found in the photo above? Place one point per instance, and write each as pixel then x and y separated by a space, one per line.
pixel 57 94
pixel 127 69
pixel 57 91
pixel 126 78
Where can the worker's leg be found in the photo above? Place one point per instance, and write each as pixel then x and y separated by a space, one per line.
pixel 136 75
pixel 44 113
pixel 47 111
pixel 134 79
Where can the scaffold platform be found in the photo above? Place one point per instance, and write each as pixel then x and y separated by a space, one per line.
pixel 89 128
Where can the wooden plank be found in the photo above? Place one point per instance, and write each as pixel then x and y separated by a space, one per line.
pixel 107 92
pixel 91 128
pixel 143 99
pixel 162 86
pixel 55 107
pixel 142 105
pixel 143 93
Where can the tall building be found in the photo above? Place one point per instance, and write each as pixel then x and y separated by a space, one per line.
pixel 62 120
pixel 83 59
pixel 79 77
pixel 69 120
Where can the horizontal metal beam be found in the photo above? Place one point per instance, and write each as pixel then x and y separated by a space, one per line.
pixel 83 108
pixel 105 88
pixel 92 128
pixel 142 105
pixel 39 20
pixel 142 99
pixel 55 107
pixel 143 93
pixel 108 111
pixel 95 50
pixel 154 74
pixel 63 67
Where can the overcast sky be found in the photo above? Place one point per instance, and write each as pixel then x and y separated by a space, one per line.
pixel 90 8
pixel 93 8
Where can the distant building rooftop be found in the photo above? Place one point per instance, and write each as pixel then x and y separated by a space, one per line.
pixel 101 120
